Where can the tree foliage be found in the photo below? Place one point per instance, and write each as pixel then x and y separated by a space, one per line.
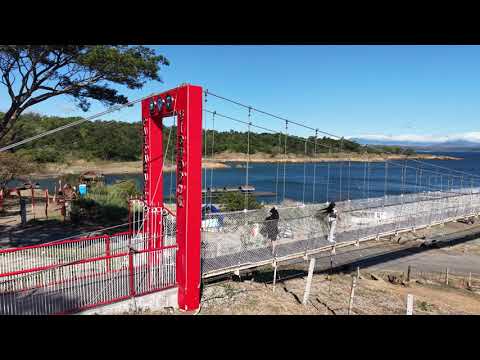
pixel 35 73
pixel 234 201
pixel 122 141
pixel 14 167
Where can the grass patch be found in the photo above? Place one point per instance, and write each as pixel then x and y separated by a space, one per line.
pixel 107 204
pixel 425 306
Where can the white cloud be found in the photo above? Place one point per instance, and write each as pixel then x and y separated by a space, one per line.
pixel 473 136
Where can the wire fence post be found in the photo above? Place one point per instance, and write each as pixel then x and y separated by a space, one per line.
pixel 470 280
pixel 311 268
pixel 33 202
pixel 46 204
pixel 446 276
pixel 274 274
pixel 408 273
pixel 409 304
pixel 352 294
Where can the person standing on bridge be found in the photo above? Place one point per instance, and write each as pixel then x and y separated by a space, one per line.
pixel 270 229
pixel 332 217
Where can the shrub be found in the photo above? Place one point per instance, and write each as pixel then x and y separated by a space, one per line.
pixel 234 201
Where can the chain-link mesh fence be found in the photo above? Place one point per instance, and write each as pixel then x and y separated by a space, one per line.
pixel 235 239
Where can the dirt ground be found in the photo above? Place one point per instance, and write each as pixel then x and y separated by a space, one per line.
pixel 330 296
pixel 378 291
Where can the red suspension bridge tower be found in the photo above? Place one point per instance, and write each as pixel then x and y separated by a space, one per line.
pixel 185 102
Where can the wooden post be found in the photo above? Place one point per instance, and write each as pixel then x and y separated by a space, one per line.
pixel 274 274
pixel 409 304
pixel 446 276
pixel 33 201
pixel 23 211
pixel 46 204
pixel 352 294
pixel 309 281
pixel 470 280
pixel 358 272
pixel 408 273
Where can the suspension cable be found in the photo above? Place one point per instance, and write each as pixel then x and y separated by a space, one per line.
pixel 285 159
pixel 310 128
pixel 75 123
pixel 445 168
pixel 269 114
pixel 319 144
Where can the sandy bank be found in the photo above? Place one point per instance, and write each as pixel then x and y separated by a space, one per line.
pixel 220 161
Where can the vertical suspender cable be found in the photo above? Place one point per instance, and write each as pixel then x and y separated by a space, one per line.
pixel 172 161
pixel 385 190
pixel 278 166
pixel 205 156
pixel 328 172
pixel 213 154
pixel 349 178
pixel 365 176
pixel 248 157
pixel 314 166
pixel 304 172
pixel 285 159
pixel 341 170
pixel 368 179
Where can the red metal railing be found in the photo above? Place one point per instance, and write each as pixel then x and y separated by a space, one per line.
pixel 72 275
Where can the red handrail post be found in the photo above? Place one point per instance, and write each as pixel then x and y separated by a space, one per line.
pixel 131 273
pixel 107 252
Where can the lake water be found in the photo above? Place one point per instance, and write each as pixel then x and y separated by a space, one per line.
pixel 332 181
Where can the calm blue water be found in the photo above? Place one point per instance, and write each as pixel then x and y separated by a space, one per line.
pixel 334 181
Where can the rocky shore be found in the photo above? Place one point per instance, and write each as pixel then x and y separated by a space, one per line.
pixel 223 160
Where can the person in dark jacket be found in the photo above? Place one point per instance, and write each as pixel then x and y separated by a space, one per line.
pixel 270 229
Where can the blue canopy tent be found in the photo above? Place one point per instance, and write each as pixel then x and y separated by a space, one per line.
pixel 211 222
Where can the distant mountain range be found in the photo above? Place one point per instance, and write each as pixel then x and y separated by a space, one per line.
pixel 454 145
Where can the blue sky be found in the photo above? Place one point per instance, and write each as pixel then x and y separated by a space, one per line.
pixel 422 91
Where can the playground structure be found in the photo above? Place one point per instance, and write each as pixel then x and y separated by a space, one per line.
pixel 174 248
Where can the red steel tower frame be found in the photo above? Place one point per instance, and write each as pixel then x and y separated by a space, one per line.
pixel 186 103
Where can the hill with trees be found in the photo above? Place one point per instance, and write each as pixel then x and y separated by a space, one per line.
pixel 122 141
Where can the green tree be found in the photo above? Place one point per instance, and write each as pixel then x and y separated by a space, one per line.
pixel 13 167
pixel 35 73
pixel 234 201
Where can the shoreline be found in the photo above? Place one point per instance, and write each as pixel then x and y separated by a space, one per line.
pixel 221 161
